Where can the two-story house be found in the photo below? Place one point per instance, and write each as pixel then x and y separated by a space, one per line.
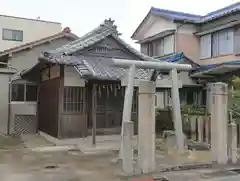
pixel 210 43
pixel 15 31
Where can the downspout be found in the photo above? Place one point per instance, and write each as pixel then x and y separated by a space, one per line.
pixel 175 36
pixel 9 105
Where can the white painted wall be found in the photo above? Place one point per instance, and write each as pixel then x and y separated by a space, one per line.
pixel 159 25
pixel 187 29
pixel 21 60
pixel 72 77
pixel 4 79
pixel 28 58
pixel 32 30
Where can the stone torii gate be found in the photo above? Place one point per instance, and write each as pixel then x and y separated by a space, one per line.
pixel 146 118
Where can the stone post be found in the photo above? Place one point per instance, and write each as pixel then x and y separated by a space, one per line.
pixel 193 120
pixel 127 161
pixel 232 145
pixel 219 122
pixel 146 127
pixel 229 141
pixel 200 128
pixel 207 129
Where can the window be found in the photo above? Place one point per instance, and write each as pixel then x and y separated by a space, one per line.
pixel 159 47
pixel 24 92
pixel 225 42
pixel 18 93
pixel 12 35
pixel 74 99
pixel 31 93
pixel 101 49
pixel 205 45
pixel 168 45
pixel 4 61
pixel 144 48
pixel 216 44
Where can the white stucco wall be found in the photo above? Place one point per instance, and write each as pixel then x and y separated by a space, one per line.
pixel 20 61
pixel 4 79
pixel 28 58
pixel 32 30
pixel 159 25
pixel 72 77
pixel 187 29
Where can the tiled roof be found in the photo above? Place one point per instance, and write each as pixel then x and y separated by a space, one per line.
pixel 176 15
pixel 106 29
pixel 97 67
pixel 177 57
pixel 64 33
pixel 103 68
pixel 99 33
pixel 211 66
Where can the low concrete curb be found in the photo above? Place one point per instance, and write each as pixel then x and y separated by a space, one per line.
pixel 186 167
pixel 181 167
pixel 54 148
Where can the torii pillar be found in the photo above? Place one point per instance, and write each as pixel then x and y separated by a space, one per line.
pixel 147 142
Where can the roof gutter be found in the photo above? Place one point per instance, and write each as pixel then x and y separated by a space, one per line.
pixel 229 25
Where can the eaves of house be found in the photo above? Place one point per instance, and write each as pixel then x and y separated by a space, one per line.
pixel 201 71
pixel 65 33
pixel 94 67
pixel 189 18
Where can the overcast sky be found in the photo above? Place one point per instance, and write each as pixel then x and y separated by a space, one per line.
pixel 84 15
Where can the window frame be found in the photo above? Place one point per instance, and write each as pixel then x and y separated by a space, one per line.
pixel 218 45
pixel 12 31
pixel 151 48
pixel 25 93
pixel 75 103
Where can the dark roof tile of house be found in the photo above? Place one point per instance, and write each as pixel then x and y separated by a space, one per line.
pixel 176 15
pixel 95 67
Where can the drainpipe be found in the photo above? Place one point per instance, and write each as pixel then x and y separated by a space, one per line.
pixel 175 37
pixel 9 106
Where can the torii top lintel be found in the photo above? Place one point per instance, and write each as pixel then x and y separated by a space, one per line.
pixel 123 63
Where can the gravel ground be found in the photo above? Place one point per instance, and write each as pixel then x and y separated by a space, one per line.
pixel 57 166
pixel 19 163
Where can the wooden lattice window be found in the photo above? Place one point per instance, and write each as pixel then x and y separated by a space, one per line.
pixel 74 100
pixel 101 49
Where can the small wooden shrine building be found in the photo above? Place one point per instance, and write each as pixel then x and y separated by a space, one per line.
pixel 70 76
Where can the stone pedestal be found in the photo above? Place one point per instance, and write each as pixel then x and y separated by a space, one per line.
pixel 219 122
pixel 127 160
pixel 146 127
